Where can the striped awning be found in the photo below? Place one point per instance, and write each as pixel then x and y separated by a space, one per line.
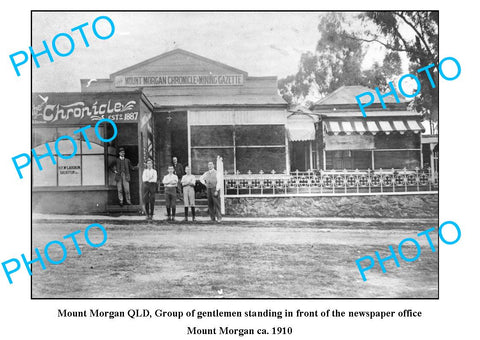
pixel 373 126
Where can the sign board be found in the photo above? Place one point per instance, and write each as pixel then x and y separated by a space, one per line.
pixel 179 80
pixel 84 108
pixel 349 142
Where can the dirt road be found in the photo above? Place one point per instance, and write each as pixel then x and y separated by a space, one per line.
pixel 262 259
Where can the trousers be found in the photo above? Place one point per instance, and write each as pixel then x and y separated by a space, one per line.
pixel 213 204
pixel 123 186
pixel 149 197
pixel 170 197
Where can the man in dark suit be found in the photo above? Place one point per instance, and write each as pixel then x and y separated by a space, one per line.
pixel 180 172
pixel 122 168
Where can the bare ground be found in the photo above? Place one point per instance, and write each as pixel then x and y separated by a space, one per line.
pixel 259 259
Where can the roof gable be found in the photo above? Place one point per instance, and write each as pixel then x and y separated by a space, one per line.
pixel 345 95
pixel 177 62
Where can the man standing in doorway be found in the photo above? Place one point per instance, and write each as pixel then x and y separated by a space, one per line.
pixel 170 182
pixel 122 168
pixel 178 170
pixel 209 179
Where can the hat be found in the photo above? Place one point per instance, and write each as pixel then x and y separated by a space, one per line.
pixel 121 149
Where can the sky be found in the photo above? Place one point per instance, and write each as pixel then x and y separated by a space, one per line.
pixel 260 43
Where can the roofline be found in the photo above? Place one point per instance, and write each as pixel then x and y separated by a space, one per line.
pixel 402 98
pixel 263 78
pixel 147 102
pixel 136 91
pixel 96 79
pixel 328 96
pixel 203 106
pixel 177 50
pixel 371 107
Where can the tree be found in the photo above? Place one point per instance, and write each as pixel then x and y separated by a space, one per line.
pixel 340 52
pixel 337 62
pixel 416 34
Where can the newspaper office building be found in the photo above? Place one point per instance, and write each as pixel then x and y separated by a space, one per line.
pixel 184 105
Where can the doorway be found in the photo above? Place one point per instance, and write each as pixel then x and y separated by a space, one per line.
pixel 301 156
pixel 171 138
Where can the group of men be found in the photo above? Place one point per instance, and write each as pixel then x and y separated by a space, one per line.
pixel 179 182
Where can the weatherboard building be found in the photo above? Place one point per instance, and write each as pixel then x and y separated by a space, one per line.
pixel 194 108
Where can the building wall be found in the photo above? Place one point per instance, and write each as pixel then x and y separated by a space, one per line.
pixel 71 202
pixel 388 206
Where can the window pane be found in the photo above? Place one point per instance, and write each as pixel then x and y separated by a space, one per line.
pixel 221 135
pixel 397 141
pixel 201 157
pixel 93 170
pixel 256 159
pixel 69 171
pixel 397 159
pixel 362 159
pixel 260 135
pixel 47 176
pixel 43 135
pixel 92 136
pixel 69 132
pixel 66 147
pixel 95 148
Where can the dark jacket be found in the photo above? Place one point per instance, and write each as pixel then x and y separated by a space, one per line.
pixel 178 170
pixel 128 168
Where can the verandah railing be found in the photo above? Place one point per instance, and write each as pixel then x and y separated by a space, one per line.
pixel 330 182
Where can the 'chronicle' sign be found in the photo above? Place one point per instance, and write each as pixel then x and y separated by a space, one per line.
pixel 180 80
pixel 84 108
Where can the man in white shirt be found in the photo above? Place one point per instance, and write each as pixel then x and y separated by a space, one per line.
pixel 209 179
pixel 149 178
pixel 170 182
pixel 188 184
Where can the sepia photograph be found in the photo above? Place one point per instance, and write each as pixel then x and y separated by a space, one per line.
pixel 235 155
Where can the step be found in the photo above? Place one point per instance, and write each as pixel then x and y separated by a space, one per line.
pixel 126 209
pixel 198 201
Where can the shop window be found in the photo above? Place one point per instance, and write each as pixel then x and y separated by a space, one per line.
pixel 87 167
pixel 349 159
pixel 256 159
pixel 69 171
pixel 43 135
pixel 259 135
pixel 201 157
pixel 397 159
pixel 397 141
pixel 93 170
pixel 211 135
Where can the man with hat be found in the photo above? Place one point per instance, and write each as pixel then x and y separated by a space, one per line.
pixel 122 168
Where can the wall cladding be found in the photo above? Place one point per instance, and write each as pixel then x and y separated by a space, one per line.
pixel 389 206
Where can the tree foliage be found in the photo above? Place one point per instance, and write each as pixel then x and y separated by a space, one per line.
pixel 344 41
pixel 337 61
pixel 416 34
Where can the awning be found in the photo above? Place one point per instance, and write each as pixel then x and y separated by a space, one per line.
pixel 373 126
pixel 300 128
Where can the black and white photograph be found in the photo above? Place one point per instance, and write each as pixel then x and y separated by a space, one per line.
pixel 201 170
pixel 236 154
